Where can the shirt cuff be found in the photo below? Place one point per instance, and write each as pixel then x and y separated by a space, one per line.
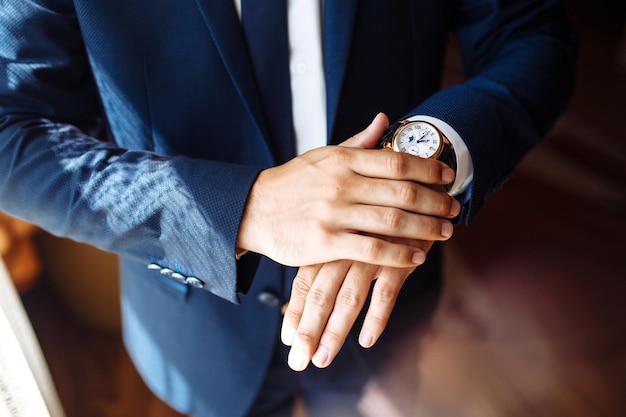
pixel 464 165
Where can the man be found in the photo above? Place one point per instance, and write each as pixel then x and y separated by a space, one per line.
pixel 200 191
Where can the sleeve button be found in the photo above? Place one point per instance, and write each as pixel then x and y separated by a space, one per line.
pixel 268 299
pixel 167 272
pixel 195 282
pixel 179 277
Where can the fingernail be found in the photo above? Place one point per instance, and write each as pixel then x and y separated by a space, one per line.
pixel 320 358
pixel 446 229
pixel 418 258
pixel 455 209
pixel 447 175
pixel 287 334
pixel 297 360
pixel 366 339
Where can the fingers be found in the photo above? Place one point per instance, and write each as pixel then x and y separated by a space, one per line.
pixel 300 289
pixel 348 305
pixel 373 163
pixel 324 317
pixel 364 248
pixel 312 301
pixel 405 195
pixel 391 252
pixel 325 304
pixel 384 297
pixel 386 221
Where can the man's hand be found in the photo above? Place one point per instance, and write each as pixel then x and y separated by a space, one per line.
pixel 327 299
pixel 325 302
pixel 336 202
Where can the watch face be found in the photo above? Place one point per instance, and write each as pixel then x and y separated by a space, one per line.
pixel 419 139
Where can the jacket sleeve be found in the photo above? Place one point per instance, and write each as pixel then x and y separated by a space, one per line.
pixel 175 211
pixel 519 57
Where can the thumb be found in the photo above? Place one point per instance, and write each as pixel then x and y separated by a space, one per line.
pixel 369 138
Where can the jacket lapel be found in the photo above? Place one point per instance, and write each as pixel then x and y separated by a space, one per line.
pixel 339 16
pixel 223 24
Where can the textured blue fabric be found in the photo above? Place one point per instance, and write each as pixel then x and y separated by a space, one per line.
pixel 137 127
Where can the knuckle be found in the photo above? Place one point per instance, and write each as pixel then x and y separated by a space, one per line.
pixel 333 337
pixel 444 204
pixel 319 298
pixel 432 227
pixel 340 155
pixel 433 171
pixel 349 298
pixel 300 287
pixel 306 337
pixel 386 293
pixel 292 316
pixel 324 213
pixel 409 193
pixel 376 322
pixel 397 164
pixel 392 219
pixel 372 249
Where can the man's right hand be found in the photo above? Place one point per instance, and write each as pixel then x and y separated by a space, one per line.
pixel 326 204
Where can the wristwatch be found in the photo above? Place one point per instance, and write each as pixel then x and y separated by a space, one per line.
pixel 420 139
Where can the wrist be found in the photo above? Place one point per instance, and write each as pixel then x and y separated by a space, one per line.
pixel 251 236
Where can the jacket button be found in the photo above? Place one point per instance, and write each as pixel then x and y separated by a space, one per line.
pixel 268 299
pixel 195 282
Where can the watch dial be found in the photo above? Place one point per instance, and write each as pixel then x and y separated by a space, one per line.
pixel 419 139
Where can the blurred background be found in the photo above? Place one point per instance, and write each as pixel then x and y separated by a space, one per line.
pixel 532 317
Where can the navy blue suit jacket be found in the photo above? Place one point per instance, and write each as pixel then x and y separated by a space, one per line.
pixel 167 88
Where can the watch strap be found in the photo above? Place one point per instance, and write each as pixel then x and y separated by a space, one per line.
pixel 387 138
pixel 448 156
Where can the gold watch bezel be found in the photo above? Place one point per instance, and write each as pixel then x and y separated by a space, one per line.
pixel 444 143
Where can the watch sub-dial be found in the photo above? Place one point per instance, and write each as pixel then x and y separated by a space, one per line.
pixel 420 143
pixel 411 149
